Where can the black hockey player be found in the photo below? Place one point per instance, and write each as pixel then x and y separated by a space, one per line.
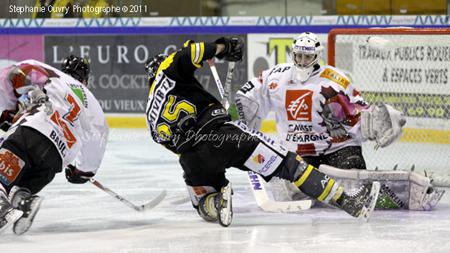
pixel 77 67
pixel 190 122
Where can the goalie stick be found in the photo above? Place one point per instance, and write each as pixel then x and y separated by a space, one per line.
pixel 258 186
pixel 257 182
pixel 154 202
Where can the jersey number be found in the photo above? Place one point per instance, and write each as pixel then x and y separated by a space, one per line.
pixel 70 117
pixel 172 113
pixel 248 86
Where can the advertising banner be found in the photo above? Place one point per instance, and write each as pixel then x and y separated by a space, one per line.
pixel 118 78
pixel 16 48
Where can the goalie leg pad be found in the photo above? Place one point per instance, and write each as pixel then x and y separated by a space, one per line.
pixel 400 189
pixel 422 195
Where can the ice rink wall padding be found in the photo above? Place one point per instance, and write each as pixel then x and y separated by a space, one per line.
pixel 118 47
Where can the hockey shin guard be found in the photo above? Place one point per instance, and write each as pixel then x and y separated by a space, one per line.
pixel 318 185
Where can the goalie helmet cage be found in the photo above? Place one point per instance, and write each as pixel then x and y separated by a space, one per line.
pixel 408 68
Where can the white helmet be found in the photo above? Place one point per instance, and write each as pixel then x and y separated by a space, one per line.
pixel 306 51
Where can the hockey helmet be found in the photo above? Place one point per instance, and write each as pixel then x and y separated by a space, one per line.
pixel 152 65
pixel 77 67
pixel 306 51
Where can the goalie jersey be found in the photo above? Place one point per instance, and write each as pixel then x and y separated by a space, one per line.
pixel 72 119
pixel 319 116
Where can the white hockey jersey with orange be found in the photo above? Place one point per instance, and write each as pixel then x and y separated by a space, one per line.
pixel 75 123
pixel 313 118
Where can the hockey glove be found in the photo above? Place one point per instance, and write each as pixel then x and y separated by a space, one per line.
pixel 6 119
pixel 234 48
pixel 382 123
pixel 76 176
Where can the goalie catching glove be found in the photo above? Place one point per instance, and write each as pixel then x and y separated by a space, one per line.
pixel 233 49
pixel 382 124
pixel 76 176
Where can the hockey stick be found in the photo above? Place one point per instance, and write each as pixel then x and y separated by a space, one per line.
pixel 227 85
pixel 256 182
pixel 154 202
pixel 258 186
pixel 224 94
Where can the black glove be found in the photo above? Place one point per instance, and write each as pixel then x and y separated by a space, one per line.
pixel 234 48
pixel 76 176
pixel 6 119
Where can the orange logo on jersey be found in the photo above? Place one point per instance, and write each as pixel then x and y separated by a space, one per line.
pixel 273 86
pixel 299 105
pixel 10 166
pixel 259 159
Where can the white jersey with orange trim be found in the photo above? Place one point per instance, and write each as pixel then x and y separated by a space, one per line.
pixel 74 122
pixel 319 116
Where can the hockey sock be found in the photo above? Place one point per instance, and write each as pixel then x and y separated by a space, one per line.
pixel 318 185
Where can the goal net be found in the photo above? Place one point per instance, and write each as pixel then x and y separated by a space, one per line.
pixel 408 68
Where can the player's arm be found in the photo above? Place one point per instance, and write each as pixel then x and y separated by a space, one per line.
pixel 93 143
pixel 192 56
pixel 252 102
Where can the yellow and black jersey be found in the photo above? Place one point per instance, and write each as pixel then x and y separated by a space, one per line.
pixel 175 93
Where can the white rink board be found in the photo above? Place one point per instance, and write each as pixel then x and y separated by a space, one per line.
pixel 80 218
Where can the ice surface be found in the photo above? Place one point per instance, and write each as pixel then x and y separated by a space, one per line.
pixel 81 218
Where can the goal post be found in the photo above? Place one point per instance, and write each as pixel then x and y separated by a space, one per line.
pixel 408 68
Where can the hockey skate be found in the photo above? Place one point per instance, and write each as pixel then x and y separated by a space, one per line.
pixel 225 208
pixel 362 203
pixel 8 215
pixel 207 207
pixel 29 206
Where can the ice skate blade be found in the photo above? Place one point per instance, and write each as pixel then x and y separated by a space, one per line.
pixel 225 212
pixel 11 218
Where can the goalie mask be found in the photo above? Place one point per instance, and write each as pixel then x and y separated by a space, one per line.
pixel 152 65
pixel 306 50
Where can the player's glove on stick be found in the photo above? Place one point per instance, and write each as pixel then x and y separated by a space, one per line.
pixel 76 176
pixel 233 49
